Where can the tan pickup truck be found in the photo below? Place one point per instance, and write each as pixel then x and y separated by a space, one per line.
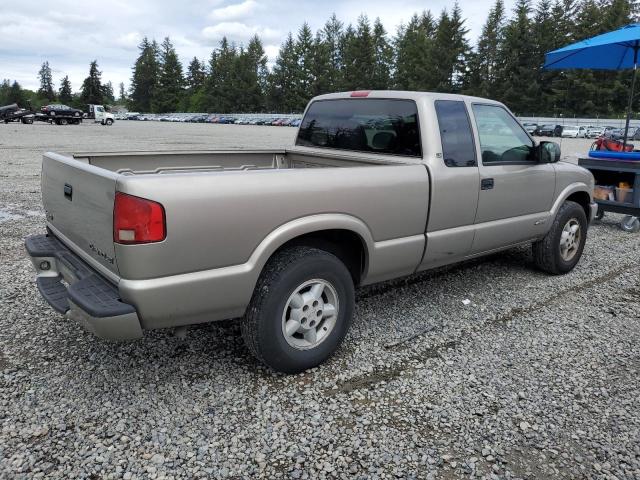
pixel 378 185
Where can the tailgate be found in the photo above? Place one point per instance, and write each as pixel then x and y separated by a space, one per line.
pixel 78 201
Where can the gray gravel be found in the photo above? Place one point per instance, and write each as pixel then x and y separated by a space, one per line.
pixel 532 377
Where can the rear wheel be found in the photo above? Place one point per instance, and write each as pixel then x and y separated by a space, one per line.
pixel 300 311
pixel 561 248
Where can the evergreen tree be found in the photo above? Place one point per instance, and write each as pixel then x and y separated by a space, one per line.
pixel 256 73
pixel 414 60
pixel 484 62
pixel 108 96
pixel 451 51
pixel 304 79
pixel 5 86
pixel 196 74
pixel 92 90
pixel 282 80
pixel 145 77
pixel 65 95
pixel 15 94
pixel 323 73
pixel 360 57
pixel 383 58
pixel 46 82
pixel 122 97
pixel 332 37
pixel 170 85
pixel 519 65
pixel 221 92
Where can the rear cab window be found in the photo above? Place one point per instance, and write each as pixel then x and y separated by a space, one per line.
pixel 374 125
pixel 458 149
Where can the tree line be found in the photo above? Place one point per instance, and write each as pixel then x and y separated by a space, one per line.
pixel 92 91
pixel 429 52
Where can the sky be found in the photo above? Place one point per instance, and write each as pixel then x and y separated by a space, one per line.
pixel 71 33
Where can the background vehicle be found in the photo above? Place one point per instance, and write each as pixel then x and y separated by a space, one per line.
pixel 574 131
pixel 378 185
pixel 13 113
pixel 594 132
pixel 550 130
pixel 531 128
pixel 99 114
pixel 60 114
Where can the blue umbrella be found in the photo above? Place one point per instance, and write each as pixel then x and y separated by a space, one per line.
pixel 617 50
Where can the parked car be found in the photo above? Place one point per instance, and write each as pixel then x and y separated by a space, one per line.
pixel 595 132
pixel 550 130
pixel 531 128
pixel 574 131
pixel 121 256
pixel 59 114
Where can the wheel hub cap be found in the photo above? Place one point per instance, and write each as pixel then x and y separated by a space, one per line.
pixel 310 314
pixel 570 240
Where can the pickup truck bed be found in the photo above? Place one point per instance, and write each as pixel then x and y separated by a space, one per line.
pixel 145 163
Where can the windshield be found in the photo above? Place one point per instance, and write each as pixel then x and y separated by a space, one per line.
pixel 366 125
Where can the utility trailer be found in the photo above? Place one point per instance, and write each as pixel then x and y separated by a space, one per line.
pixel 612 173
pixel 13 113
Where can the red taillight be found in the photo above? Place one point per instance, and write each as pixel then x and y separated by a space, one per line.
pixel 137 220
pixel 361 93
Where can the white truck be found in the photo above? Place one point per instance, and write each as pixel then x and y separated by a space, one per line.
pixel 99 114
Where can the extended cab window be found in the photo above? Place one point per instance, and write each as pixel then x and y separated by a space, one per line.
pixel 458 149
pixel 365 125
pixel 502 139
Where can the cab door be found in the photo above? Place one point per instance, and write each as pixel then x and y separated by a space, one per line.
pixel 453 168
pixel 516 191
pixel 99 113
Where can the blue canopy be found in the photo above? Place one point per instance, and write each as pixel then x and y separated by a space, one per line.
pixel 617 50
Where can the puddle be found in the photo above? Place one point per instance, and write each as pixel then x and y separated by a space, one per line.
pixel 12 212
pixel 6 216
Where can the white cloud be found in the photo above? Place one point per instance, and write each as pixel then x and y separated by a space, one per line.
pixel 128 40
pixel 233 12
pixel 71 33
pixel 239 32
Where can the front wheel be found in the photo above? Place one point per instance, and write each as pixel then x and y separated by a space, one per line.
pixel 108 122
pixel 300 311
pixel 561 248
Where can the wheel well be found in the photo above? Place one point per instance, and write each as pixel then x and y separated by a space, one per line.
pixel 348 246
pixel 583 199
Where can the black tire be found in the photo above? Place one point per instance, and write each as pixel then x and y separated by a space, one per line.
pixel 546 252
pixel 262 326
pixel 108 122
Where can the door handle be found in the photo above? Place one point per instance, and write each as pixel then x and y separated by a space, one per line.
pixel 486 184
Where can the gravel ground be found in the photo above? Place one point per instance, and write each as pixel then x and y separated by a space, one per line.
pixel 488 369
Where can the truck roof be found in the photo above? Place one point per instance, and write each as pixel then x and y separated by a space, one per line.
pixel 403 94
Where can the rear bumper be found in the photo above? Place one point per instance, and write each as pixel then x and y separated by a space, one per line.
pixel 74 289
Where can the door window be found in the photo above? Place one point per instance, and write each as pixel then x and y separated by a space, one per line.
pixel 502 139
pixel 458 149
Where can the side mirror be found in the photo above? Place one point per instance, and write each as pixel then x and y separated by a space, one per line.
pixel 548 152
